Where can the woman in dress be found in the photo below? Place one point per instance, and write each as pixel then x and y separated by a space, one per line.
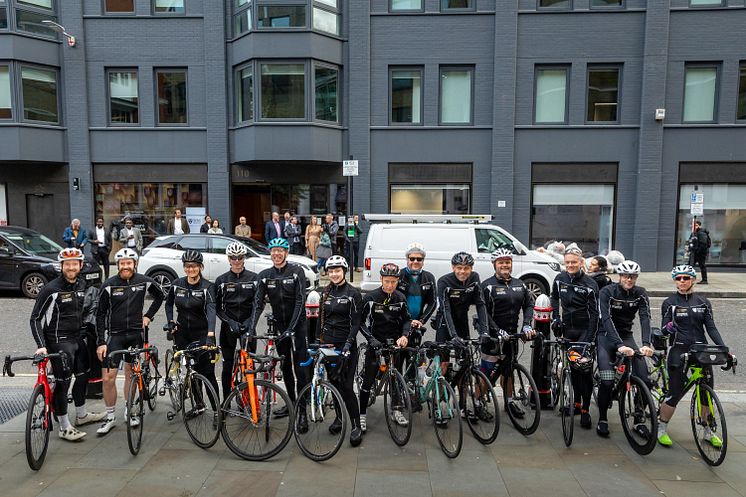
pixel 313 235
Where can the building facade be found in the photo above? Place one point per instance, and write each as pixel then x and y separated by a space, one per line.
pixel 584 120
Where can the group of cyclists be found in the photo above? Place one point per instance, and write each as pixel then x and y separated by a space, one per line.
pixel 408 298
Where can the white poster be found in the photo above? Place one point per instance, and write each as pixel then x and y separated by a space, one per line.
pixel 195 217
pixel 3 206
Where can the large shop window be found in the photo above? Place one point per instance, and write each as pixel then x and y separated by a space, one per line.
pixel 700 94
pixel 172 96
pixel 573 213
pixel 123 99
pixel 283 93
pixel 39 95
pixel 6 109
pixel 304 199
pixel 430 188
pixel 550 102
pixel 406 96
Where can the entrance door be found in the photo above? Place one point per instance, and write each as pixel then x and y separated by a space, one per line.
pixel 252 202
pixel 40 215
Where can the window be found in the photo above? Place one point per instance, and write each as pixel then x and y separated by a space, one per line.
pixel 241 17
pixel 699 94
pixel 172 97
pixel 283 91
pixel 606 3
pixel 404 5
pixel 456 4
pixel 551 95
pixel 326 16
pixel 281 16
pixel 326 95
pixel 3 16
pixel 119 6
pixel 31 13
pixel 123 97
pixel 455 95
pixel 430 199
pixel 39 88
pixel 6 109
pixel 741 107
pixel 705 3
pixel 168 6
pixel 219 244
pixel 490 239
pixel 555 4
pixel 198 243
pixel 603 94
pixel 44 4
pixel 245 94
pixel 406 96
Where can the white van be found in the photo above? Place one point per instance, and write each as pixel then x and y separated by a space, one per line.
pixel 390 234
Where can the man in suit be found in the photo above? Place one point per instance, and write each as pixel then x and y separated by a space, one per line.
pixel 130 236
pixel 178 224
pixel 100 239
pixel 74 236
pixel 273 228
pixel 206 225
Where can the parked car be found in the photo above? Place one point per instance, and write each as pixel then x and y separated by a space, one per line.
pixel 28 260
pixel 161 260
pixel 388 242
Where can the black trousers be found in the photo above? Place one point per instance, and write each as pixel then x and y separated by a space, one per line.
pixel 228 344
pixel 701 261
pixel 294 351
pixel 101 255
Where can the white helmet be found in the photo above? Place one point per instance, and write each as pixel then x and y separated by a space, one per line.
pixel 615 258
pixel 502 253
pixel 236 249
pixel 628 267
pixel 126 253
pixel 414 248
pixel 336 261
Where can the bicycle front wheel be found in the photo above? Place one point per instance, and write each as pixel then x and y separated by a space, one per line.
pixel 708 425
pixel 555 377
pixel 320 424
pixel 567 406
pixel 522 400
pixel 446 418
pixel 479 402
pixel 172 382
pixel 135 415
pixel 360 368
pixel 38 426
pixel 639 416
pixel 251 432
pixel 201 410
pixel 398 408
pixel 152 379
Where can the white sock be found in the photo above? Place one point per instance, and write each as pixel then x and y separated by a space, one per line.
pixel 80 411
pixel 110 412
pixel 662 426
pixel 510 399
pixel 64 422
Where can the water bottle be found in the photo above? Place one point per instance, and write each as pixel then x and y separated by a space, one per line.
pixel 422 377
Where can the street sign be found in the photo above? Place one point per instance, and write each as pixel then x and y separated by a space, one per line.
pixel 349 168
pixel 697 198
pixel 697 209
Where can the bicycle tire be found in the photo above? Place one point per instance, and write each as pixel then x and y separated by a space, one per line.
pixel 444 415
pixel 567 406
pixel 395 386
pixel 657 379
pixel 485 402
pixel 153 378
pixel 596 376
pixel 555 377
pixel 38 426
pixel 327 399
pixel 525 396
pixel 714 456
pixel 202 419
pixel 173 384
pixel 238 423
pixel 636 404
pixel 136 410
pixel 360 368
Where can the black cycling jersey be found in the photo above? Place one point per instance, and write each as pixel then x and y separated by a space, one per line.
pixel 121 305
pixel 341 306
pixel 504 300
pixel 385 315
pixel 601 279
pixel 234 297
pixel 454 299
pixel 59 312
pixel 691 315
pixel 577 295
pixel 285 287
pixel 420 288
pixel 196 307
pixel 618 309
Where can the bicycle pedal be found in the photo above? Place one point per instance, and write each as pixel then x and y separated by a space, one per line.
pixel 162 392
pixel 170 415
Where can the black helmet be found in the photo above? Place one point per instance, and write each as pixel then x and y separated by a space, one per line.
pixel 191 256
pixel 463 259
pixel 390 269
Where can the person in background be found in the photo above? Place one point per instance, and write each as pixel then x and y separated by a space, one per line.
pixel 332 228
pixel 100 239
pixel 130 237
pixel 597 268
pixel 324 250
pixel 355 241
pixel 206 225
pixel 273 228
pixel 242 229
pixel 699 249
pixel 178 224
pixel 313 236
pixel 292 234
pixel 74 236
pixel 215 229
pixel 285 220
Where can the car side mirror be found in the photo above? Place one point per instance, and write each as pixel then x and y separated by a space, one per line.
pixel 5 252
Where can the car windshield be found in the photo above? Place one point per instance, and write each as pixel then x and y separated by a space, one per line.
pixel 257 247
pixel 35 244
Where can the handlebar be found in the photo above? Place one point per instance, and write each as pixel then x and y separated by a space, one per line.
pixel 8 362
pixel 132 352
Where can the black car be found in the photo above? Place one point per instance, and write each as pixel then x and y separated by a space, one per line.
pixel 28 260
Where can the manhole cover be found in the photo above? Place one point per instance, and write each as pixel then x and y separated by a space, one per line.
pixel 13 401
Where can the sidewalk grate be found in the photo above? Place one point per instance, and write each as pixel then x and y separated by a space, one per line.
pixel 13 401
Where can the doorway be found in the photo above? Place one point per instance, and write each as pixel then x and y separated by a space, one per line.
pixel 40 215
pixel 252 201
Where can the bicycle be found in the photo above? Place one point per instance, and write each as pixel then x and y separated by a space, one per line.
pixel 40 409
pixel 562 354
pixel 322 405
pixel 248 429
pixel 272 373
pixel 150 365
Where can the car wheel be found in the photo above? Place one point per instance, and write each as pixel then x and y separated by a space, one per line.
pixel 536 286
pixel 32 284
pixel 164 279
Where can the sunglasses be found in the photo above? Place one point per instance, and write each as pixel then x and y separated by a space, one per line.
pixel 629 276
pixel 416 259
pixel 683 278
pixel 236 257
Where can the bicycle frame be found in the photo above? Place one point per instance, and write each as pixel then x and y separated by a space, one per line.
pixel 319 373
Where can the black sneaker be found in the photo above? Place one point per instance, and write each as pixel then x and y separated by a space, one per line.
pixel 282 412
pixel 703 282
pixel 356 436
pixel 515 410
pixel 469 416
pixel 336 427
pixel 585 420
pixel 194 412
pixel 602 429
pixel 483 414
pixel 303 424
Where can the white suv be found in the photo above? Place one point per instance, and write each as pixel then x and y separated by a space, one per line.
pixel 161 260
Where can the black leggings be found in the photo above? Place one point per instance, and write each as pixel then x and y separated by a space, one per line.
pixel 344 380
pixel 677 375
pixel 76 364
pixel 369 377
pixel 607 355
pixel 582 381
pixel 295 352
pixel 203 364
pixel 228 343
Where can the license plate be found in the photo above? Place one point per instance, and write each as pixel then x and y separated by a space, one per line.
pixel 92 276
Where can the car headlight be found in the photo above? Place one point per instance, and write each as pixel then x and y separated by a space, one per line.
pixel 57 266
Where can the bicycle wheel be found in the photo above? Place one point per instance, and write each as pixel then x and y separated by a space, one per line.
pixel 567 406
pixel 151 380
pixel 398 408
pixel 322 406
pixel 596 382
pixel 639 416
pixel 135 415
pixel 524 406
pixel 479 401
pixel 201 410
pixel 255 435
pixel 708 425
pixel 38 426
pixel 555 377
pixel 444 412
pixel 173 383
pixel 360 368
pixel 658 380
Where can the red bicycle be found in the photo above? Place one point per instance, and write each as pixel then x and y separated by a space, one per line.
pixel 40 409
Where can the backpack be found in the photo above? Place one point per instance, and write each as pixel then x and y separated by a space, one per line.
pixel 709 240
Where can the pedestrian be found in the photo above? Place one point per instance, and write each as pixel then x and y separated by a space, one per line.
pixel 699 249
pixel 74 236
pixel 293 231
pixel 355 241
pixel 130 236
pixel 273 228
pixel 324 250
pixel 206 225
pixel 100 239
pixel 597 268
pixel 285 220
pixel 178 224
pixel 332 228
pixel 242 229
pixel 313 235
pixel 215 229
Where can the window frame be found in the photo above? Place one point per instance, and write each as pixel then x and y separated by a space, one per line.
pixel 542 67
pixel 741 74
pixel 472 71
pixel 12 92
pixel 602 67
pixel 442 8
pixel 33 9
pixel 158 70
pixel 248 65
pixel 154 12
pixel 22 103
pixel 258 117
pixel 550 8
pixel 288 3
pixel 337 11
pixel 400 11
pixel 715 97
pixel 431 185
pixel 114 13
pixel 314 64
pixel 421 70
pixel 721 3
pixel 235 11
pixel 108 72
pixel 4 6
pixel 621 6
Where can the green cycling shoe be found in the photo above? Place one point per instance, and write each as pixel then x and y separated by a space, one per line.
pixel 715 441
pixel 665 440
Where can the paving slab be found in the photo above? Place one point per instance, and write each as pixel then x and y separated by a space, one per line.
pixel 222 483
pixel 695 489
pixel 392 483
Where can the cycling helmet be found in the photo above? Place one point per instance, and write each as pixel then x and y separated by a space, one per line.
pixel 685 269
pixel 335 261
pixel 390 269
pixel 462 258
pixel 615 258
pixel 70 254
pixel 191 256
pixel 278 243
pixel 628 267
pixel 236 249
pixel 502 253
pixel 126 253
pixel 414 248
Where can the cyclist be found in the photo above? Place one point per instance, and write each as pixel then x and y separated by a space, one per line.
pixel 505 298
pixel 194 299
pixel 121 315
pixel 285 285
pixel 341 305
pixel 57 321
pixel 619 303
pixel 577 295
pixel 687 317
pixel 385 316
pixel 234 302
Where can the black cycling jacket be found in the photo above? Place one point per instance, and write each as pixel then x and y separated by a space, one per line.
pixel 341 306
pixel 454 300
pixel 504 300
pixel 618 309
pixel 385 315
pixel 196 307
pixel 692 315
pixel 578 297
pixel 234 297
pixel 286 289
pixel 121 305
pixel 59 312
pixel 424 286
